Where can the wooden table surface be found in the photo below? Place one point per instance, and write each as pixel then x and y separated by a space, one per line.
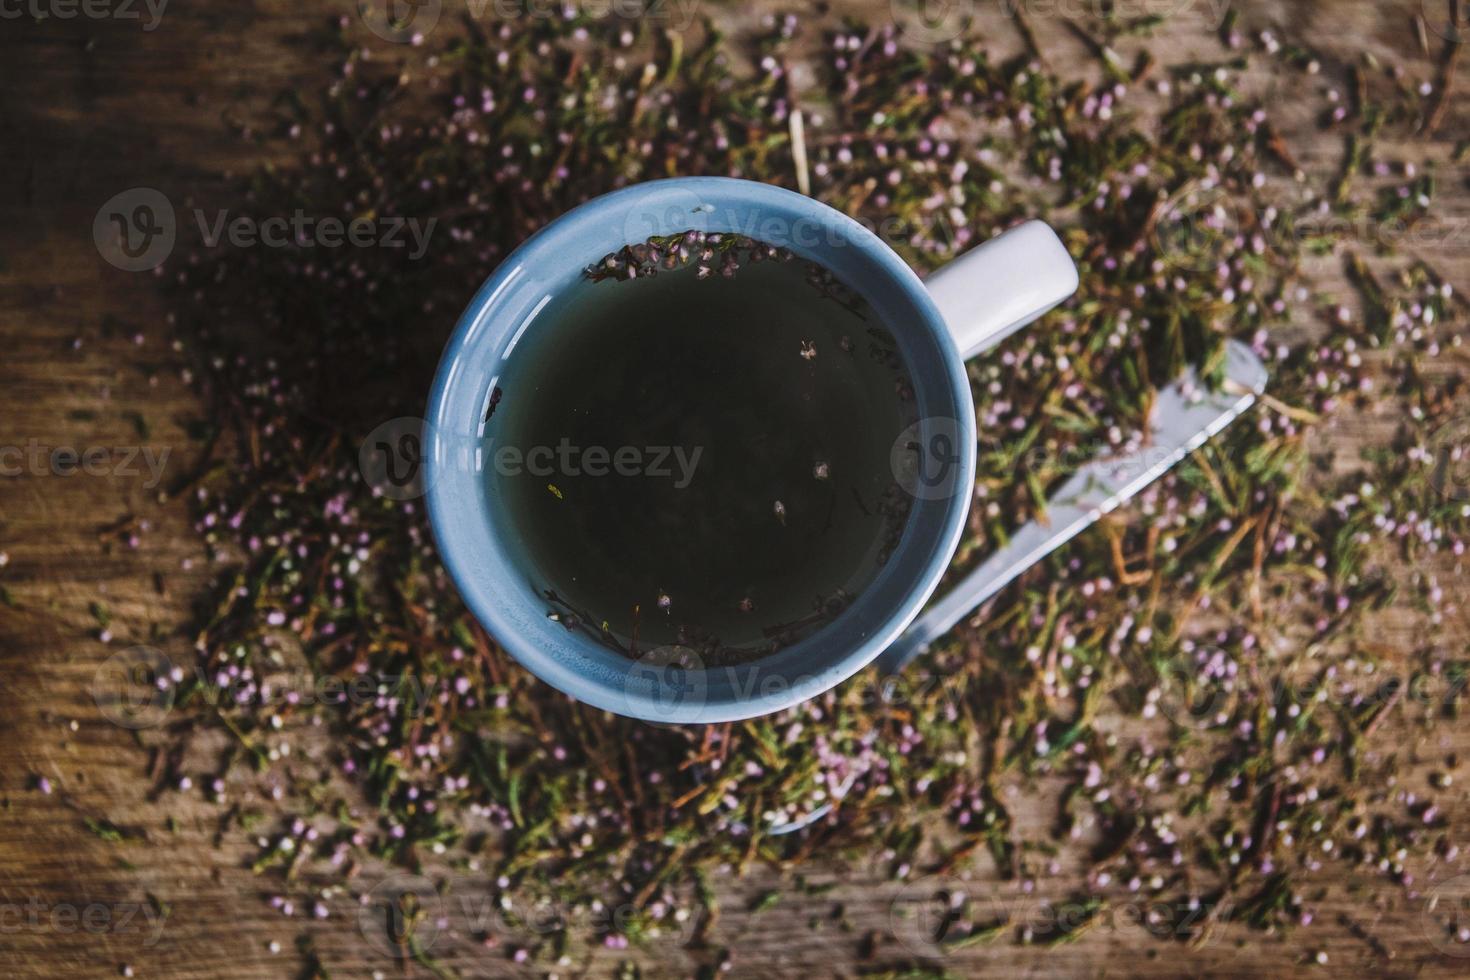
pixel 92 107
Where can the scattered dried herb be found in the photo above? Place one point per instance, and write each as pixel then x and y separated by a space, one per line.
pixel 1224 627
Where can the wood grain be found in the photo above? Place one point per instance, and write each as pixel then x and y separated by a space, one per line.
pixel 92 107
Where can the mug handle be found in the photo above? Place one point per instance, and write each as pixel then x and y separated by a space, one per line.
pixel 998 287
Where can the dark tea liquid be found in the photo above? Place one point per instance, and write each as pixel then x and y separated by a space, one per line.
pixel 704 461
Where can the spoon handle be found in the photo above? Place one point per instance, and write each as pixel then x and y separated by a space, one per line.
pixel 1184 417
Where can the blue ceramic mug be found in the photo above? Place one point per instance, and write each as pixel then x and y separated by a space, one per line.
pixel 965 308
